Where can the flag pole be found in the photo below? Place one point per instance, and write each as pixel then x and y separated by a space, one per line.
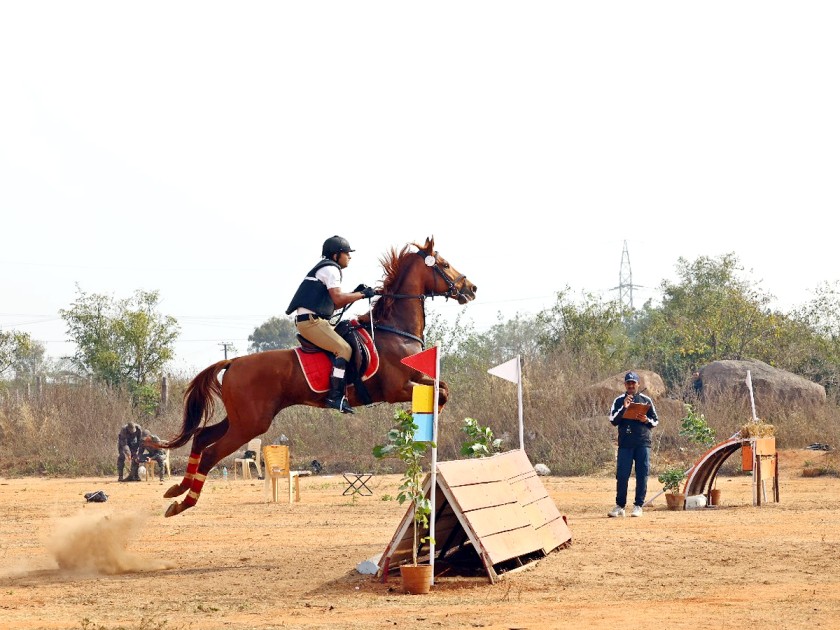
pixel 752 398
pixel 434 462
pixel 519 392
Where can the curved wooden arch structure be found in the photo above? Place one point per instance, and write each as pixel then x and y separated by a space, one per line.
pixel 759 455
pixel 701 477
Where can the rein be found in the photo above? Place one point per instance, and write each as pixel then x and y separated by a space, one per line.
pixel 452 292
pixel 393 330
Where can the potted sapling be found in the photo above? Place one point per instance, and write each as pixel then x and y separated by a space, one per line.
pixel 416 578
pixel 671 478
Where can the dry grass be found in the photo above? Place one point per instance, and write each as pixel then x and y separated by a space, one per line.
pixel 72 430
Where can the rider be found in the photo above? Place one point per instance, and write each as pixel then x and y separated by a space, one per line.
pixel 317 298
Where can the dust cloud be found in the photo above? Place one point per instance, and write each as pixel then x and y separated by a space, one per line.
pixel 97 544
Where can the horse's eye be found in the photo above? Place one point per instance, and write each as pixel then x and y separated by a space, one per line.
pixel 445 265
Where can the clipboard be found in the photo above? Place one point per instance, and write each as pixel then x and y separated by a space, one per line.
pixel 637 411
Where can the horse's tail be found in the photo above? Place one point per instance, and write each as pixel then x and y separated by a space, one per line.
pixel 199 402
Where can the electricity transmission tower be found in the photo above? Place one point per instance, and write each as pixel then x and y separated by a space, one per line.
pixel 227 346
pixel 625 282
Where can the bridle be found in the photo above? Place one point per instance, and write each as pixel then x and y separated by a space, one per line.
pixel 453 292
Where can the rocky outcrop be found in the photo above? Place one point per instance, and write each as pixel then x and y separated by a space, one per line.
pixel 770 385
pixel 604 392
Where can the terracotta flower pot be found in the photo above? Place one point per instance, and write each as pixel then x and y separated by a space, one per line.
pixel 714 496
pixel 676 501
pixel 416 579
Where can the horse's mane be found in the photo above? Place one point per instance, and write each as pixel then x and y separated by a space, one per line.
pixel 393 264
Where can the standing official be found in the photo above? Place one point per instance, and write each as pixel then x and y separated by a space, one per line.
pixel 633 445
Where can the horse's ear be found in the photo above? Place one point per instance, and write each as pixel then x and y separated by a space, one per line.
pixel 428 248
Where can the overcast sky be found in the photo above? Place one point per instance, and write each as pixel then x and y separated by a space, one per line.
pixel 207 149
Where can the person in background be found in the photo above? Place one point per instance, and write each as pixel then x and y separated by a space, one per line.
pixel 148 452
pixel 633 445
pixel 129 442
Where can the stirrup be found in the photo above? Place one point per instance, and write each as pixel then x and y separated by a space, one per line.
pixel 340 404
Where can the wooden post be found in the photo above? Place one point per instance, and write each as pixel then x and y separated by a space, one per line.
pixel 164 392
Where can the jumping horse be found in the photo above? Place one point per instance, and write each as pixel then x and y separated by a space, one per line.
pixel 256 387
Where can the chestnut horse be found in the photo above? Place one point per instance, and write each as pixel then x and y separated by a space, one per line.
pixel 256 387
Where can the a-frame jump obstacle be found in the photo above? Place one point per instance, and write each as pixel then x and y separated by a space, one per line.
pixel 496 505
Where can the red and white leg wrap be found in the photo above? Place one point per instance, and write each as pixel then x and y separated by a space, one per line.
pixel 195 490
pixel 192 466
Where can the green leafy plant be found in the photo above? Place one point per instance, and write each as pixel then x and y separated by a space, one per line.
pixel 671 478
pixel 401 445
pixel 480 440
pixel 695 428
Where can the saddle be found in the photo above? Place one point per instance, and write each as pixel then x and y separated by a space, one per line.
pixel 316 362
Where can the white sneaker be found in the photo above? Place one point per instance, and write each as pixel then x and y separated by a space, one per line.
pixel 637 510
pixel 616 511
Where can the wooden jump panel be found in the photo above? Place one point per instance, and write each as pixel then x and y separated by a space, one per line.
pixel 500 504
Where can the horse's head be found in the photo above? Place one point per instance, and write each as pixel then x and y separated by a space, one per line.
pixel 442 278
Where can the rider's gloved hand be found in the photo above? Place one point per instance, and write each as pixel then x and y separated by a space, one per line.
pixel 365 290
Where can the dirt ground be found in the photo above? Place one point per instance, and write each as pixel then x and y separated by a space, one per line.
pixel 239 561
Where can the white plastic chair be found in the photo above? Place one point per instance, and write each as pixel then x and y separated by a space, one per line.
pixel 254 445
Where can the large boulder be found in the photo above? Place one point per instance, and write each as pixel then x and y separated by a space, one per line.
pixel 603 393
pixel 770 385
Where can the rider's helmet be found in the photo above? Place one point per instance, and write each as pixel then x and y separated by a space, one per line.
pixel 334 245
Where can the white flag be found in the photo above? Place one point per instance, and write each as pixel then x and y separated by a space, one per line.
pixel 508 370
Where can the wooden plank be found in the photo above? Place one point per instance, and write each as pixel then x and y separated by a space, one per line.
pixel 497 519
pixel 519 462
pixel 501 467
pixel 541 512
pixel 765 446
pixel 466 472
pixel 554 534
pixel 746 457
pixel 529 489
pixel 484 495
pixel 506 545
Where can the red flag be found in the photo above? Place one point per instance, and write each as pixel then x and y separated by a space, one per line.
pixel 425 361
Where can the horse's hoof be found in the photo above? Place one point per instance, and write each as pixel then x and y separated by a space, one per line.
pixel 173 509
pixel 174 491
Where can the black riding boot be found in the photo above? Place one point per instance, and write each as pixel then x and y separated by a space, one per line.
pixel 336 398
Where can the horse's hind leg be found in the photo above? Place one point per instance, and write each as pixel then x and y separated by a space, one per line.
pixel 203 438
pixel 211 456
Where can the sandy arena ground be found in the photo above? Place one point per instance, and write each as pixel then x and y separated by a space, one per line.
pixel 238 561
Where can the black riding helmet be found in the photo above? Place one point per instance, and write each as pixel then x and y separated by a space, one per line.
pixel 334 245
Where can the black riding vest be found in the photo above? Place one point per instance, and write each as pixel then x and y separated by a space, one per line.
pixel 313 294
